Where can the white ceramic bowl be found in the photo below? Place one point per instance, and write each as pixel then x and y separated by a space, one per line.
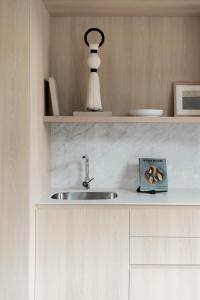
pixel 146 112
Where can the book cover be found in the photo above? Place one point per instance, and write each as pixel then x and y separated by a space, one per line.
pixel 153 174
pixel 54 96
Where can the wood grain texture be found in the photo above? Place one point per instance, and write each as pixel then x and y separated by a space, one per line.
pixel 165 221
pixel 141 58
pixel 164 251
pixel 70 119
pixel 123 7
pixel 39 132
pixel 14 149
pixel 82 253
pixel 39 71
pixel 165 283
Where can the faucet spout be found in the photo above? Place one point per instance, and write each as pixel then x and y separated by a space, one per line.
pixel 86 182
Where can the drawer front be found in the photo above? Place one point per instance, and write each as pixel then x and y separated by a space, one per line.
pixel 165 221
pixel 169 251
pixel 165 283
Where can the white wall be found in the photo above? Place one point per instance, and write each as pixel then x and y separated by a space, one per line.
pixel 114 151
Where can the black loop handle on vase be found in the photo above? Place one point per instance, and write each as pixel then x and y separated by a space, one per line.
pixel 99 31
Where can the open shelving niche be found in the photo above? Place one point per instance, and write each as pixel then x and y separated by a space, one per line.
pixel 152 43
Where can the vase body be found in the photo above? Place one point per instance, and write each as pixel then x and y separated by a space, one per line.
pixel 93 92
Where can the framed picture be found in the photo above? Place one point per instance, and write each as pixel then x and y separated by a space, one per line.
pixel 153 175
pixel 187 99
pixel 54 97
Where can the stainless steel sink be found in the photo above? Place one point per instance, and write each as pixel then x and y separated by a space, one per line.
pixel 84 196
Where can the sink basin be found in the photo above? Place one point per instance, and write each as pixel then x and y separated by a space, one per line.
pixel 84 196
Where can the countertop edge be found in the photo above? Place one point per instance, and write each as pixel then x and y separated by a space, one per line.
pixel 174 197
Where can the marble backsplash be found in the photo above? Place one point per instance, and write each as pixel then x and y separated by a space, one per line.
pixel 114 150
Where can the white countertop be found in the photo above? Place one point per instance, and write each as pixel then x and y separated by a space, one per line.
pixel 127 197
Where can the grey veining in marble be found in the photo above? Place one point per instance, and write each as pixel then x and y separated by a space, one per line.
pixel 114 150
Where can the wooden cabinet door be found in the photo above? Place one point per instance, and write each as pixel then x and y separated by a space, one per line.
pixel 164 251
pixel 82 253
pixel 165 283
pixel 165 221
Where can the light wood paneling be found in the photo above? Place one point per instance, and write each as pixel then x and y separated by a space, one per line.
pixel 165 284
pixel 141 58
pixel 39 133
pixel 39 71
pixel 123 7
pixel 165 221
pixel 14 149
pixel 82 253
pixel 168 251
pixel 70 119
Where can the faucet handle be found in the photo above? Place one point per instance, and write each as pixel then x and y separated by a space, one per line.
pixel 86 184
pixel 91 179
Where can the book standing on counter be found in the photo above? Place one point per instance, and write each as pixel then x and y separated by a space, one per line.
pixel 153 175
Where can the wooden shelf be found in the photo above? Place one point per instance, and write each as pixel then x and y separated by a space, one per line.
pixel 123 7
pixel 121 119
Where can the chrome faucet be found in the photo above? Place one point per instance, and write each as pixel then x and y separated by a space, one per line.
pixel 86 182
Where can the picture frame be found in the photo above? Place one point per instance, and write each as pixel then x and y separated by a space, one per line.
pixel 186 99
pixel 153 174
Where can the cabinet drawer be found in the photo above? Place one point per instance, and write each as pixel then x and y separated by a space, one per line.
pixel 170 251
pixel 165 221
pixel 165 283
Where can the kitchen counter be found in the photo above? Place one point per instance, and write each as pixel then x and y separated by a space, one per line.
pixel 127 197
